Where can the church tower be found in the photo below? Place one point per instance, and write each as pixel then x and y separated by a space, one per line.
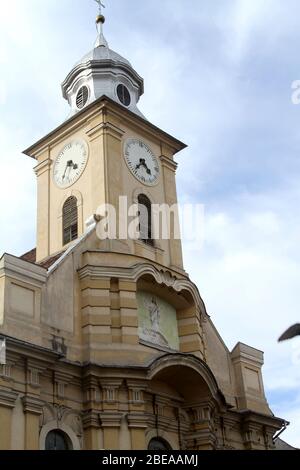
pixel 106 149
pixel 108 342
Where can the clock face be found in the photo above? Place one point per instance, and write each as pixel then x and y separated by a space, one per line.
pixel 70 163
pixel 141 161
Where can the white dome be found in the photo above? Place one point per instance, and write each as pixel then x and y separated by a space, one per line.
pixel 103 53
pixel 103 72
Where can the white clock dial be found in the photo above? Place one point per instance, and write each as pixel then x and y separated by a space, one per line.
pixel 141 161
pixel 70 163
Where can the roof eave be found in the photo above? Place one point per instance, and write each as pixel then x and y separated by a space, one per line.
pixel 100 64
pixel 36 147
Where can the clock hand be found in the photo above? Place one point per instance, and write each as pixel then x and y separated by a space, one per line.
pixel 65 172
pixel 68 165
pixel 138 166
pixel 68 177
pixel 144 164
pixel 72 166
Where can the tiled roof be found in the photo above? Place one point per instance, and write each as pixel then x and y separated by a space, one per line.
pixel 30 256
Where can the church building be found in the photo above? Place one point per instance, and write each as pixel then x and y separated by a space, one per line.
pixel 106 342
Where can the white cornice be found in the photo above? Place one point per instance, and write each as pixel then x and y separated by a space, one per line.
pixel 88 113
pixel 167 162
pixel 23 270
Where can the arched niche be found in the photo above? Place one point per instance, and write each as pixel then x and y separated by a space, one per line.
pixel 185 400
pixel 165 290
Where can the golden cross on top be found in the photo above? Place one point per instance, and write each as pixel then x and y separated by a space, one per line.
pixel 100 4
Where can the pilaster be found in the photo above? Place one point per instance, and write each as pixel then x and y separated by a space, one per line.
pixel 190 332
pixel 128 312
pixel 95 310
pixel 91 427
pixel 169 173
pixel 33 408
pixel 203 427
pixel 42 171
pixel 7 403
pixel 111 423
pixel 137 426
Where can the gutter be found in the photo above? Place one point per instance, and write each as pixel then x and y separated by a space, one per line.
pixel 284 426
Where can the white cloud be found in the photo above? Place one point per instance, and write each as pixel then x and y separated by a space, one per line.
pixel 3 92
pixel 247 17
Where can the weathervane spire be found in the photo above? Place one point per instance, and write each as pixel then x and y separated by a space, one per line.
pixel 101 5
pixel 100 20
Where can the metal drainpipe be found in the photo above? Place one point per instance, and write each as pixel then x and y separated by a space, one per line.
pixel 155 414
pixel 285 425
pixel 179 429
pixel 223 431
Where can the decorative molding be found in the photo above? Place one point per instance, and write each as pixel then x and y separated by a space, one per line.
pixel 192 362
pixel 202 439
pixel 110 388
pixel 8 398
pixel 136 389
pixel 103 105
pixel 168 163
pixel 33 377
pixel 61 380
pixel 75 439
pixel 136 420
pixel 105 127
pixel 34 368
pixel 92 395
pixel 110 420
pixel 42 167
pixel 62 417
pixel 5 371
pixel 202 413
pixel 32 405
pixel 24 271
pixel 91 419
pixel 60 390
pixel 162 276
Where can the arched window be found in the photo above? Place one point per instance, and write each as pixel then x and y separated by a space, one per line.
pixel 57 440
pixel 145 215
pixel 159 444
pixel 70 220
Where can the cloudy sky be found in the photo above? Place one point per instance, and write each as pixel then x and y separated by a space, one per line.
pixel 218 75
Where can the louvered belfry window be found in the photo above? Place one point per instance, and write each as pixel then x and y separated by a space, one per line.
pixel 123 95
pixel 82 97
pixel 70 220
pixel 145 215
